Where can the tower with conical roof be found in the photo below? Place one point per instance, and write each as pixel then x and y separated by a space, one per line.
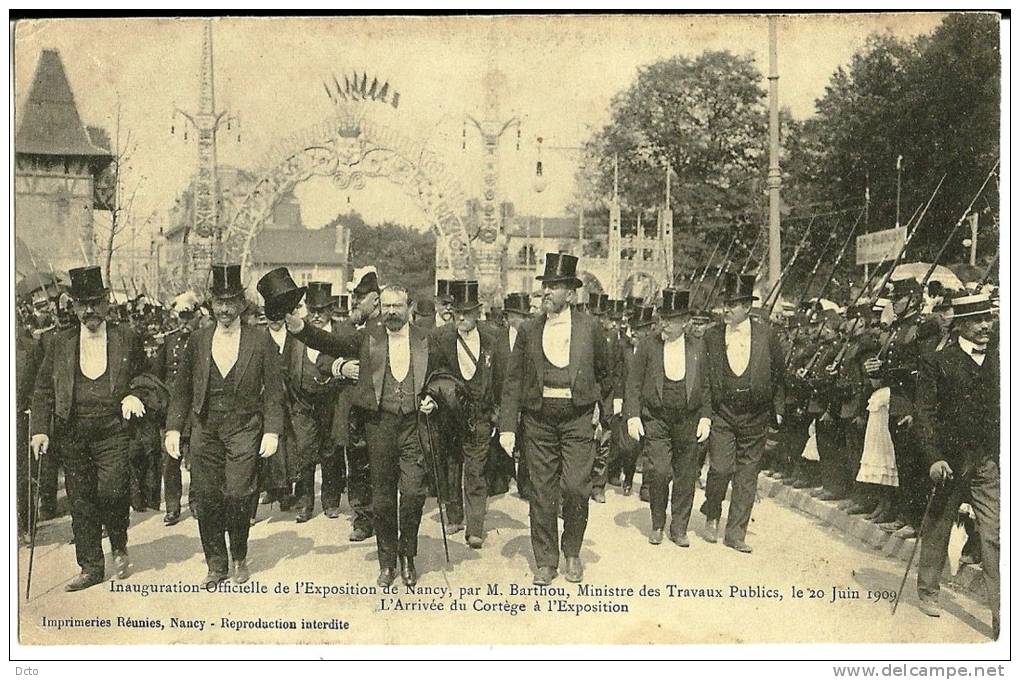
pixel 57 162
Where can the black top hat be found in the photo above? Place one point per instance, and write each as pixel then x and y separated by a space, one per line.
pixel 633 303
pixel 675 302
pixel 281 294
pixel 642 316
pixel 465 295
pixel 320 294
pixel 598 303
pixel 343 302
pixel 560 268
pixel 226 281
pixel 519 303
pixel 87 284
pixel 617 308
pixel 738 287
pixel 369 283
pixel 443 290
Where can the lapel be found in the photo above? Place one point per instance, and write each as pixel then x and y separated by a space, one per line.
pixel 204 359
pixel 658 364
pixel 693 366
pixel 419 357
pixel 758 347
pixel 378 355
pixel 70 367
pixel 115 356
pixel 576 348
pixel 537 353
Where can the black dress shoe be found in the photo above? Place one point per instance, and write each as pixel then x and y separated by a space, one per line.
pixel 303 516
pixel 544 576
pixel 214 578
pixel 171 518
pixel 360 534
pixel 655 538
pixel 82 581
pixel 287 502
pixel 475 542
pixel 332 513
pixel 454 528
pixel 574 570
pixel 241 573
pixel 598 495
pixel 408 574
pixel 739 546
pixel 680 539
pixel 627 488
pixel 121 564
pixel 712 530
pixel 643 494
pixel 387 575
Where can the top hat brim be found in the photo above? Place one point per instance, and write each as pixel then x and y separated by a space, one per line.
pixel 89 296
pixel 283 304
pixel 573 280
pixel 227 294
pixel 741 298
pixel 466 306
pixel 669 313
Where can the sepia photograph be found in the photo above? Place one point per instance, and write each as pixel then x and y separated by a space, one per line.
pixel 666 331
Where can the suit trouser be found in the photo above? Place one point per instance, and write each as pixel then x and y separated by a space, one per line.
pixel 829 437
pixel 737 445
pixel 310 448
pixel 224 467
pixel 173 485
pixel 474 454
pixel 672 452
pixel 26 471
pixel 603 451
pixel 95 458
pixel 558 447
pixel 145 455
pixel 913 474
pixel 399 487
pixel 981 489
pixel 626 450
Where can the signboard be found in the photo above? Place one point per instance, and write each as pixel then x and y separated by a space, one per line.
pixel 879 246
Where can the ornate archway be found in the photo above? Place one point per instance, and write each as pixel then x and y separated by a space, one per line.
pixel 350 152
pixel 641 284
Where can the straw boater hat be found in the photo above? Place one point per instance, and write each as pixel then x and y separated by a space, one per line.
pixel 972 305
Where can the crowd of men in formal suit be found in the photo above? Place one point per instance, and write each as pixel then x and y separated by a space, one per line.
pixel 890 409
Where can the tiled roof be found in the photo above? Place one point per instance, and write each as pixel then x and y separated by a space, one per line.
pixel 296 246
pixel 50 123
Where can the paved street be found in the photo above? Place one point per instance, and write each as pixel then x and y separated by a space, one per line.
pixel 791 551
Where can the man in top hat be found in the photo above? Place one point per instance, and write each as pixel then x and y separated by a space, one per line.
pixel 396 359
pixel 958 413
pixel 229 386
pixel 444 302
pixel 669 405
pixel 517 309
pixel 641 322
pixel 746 380
pixel 477 354
pixel 598 306
pixel 311 398
pixel 82 396
pixel 341 310
pixel 556 376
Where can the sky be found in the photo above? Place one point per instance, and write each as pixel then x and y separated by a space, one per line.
pixel 559 76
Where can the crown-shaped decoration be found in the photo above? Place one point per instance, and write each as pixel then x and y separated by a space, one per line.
pixel 351 97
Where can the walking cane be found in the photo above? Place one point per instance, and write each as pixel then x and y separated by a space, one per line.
pixel 917 543
pixel 33 506
pixel 439 492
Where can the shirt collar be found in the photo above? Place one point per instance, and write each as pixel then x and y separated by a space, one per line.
pixel 563 316
pixel 99 334
pixel 742 328
pixel 971 347
pixel 233 328
pixel 676 340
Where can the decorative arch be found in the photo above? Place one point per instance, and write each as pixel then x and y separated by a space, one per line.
pixel 351 153
pixel 641 284
pixel 591 283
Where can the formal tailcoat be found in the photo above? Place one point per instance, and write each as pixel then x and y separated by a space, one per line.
pixel 766 366
pixel 647 375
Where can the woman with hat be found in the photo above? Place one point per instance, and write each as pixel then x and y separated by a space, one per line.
pixel 746 370
pixel 558 371
pixel 669 406
pixel 958 423
pixel 83 388
pixel 230 387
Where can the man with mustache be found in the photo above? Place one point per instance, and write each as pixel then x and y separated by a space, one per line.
pixel 230 387
pixel 397 360
pixel 83 386
pixel 958 425
pixel 557 372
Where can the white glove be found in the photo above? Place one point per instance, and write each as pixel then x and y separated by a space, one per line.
pixel 635 428
pixel 508 440
pixel 595 415
pixel 40 444
pixel 294 323
pixel 172 443
pixel 346 368
pixel 704 429
pixel 617 406
pixel 428 405
pixel 779 419
pixel 131 406
pixel 270 442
